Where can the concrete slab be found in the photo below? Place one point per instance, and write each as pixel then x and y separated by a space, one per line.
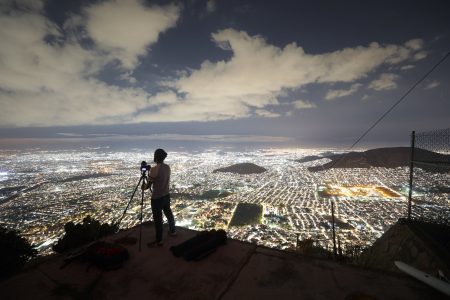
pixel 237 270
pixel 272 274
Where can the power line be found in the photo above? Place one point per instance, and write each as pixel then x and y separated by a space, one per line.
pixel 393 106
pixel 383 116
pixel 401 99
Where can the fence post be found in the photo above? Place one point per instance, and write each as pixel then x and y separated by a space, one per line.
pixel 411 173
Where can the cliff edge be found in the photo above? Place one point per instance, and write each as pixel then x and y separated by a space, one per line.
pixel 422 245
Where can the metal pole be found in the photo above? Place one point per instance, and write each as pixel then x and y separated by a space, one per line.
pixel 411 173
pixel 334 233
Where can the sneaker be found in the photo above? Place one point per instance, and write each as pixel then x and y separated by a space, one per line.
pixel 172 233
pixel 155 244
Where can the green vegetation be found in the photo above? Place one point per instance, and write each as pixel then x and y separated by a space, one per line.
pixel 79 234
pixel 15 251
pixel 345 252
pixel 311 247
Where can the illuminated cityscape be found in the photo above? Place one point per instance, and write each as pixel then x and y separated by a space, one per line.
pixel 42 190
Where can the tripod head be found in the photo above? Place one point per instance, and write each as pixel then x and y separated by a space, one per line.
pixel 143 179
pixel 144 167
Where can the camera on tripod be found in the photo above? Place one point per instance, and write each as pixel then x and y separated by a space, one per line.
pixel 145 167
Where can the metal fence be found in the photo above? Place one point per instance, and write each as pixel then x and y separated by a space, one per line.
pixel 430 151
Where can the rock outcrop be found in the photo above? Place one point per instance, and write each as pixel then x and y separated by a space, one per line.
pixel 409 242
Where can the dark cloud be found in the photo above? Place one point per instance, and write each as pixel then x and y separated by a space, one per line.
pixel 317 72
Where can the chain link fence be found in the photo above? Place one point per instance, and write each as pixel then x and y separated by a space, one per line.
pixel 429 198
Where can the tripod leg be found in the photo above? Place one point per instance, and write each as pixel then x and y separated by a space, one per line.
pixel 126 208
pixel 141 216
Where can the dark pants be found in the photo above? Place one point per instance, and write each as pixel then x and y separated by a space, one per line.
pixel 158 206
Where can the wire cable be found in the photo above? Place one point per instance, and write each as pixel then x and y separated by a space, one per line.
pixel 401 99
pixel 421 79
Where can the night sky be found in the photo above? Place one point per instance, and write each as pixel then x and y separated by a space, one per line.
pixel 315 72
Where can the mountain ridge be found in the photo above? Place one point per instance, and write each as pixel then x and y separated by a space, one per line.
pixel 392 157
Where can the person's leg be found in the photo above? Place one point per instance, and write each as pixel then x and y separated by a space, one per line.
pixel 168 213
pixel 157 218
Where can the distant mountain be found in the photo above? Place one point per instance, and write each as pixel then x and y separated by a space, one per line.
pixel 243 168
pixel 308 158
pixel 87 176
pixel 382 157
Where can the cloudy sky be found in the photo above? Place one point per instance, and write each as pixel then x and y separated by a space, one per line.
pixel 315 72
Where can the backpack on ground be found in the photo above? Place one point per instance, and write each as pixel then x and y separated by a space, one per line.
pixel 200 246
pixel 106 256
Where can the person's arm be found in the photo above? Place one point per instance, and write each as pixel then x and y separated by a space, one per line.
pixel 147 185
pixel 151 176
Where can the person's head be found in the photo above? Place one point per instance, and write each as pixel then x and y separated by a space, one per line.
pixel 159 156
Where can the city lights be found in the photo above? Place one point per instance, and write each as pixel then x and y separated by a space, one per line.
pixel 42 190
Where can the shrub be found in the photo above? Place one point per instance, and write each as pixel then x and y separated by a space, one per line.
pixel 79 234
pixel 15 251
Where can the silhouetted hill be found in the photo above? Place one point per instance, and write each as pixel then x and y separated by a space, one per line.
pixel 308 158
pixel 243 168
pixel 88 176
pixel 382 157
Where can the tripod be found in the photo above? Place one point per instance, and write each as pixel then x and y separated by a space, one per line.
pixel 143 179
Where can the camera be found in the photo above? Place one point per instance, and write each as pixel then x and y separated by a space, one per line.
pixel 144 166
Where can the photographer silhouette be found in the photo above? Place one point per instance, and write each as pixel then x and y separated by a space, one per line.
pixel 159 178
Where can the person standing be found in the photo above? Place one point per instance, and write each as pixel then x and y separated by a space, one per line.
pixel 159 178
